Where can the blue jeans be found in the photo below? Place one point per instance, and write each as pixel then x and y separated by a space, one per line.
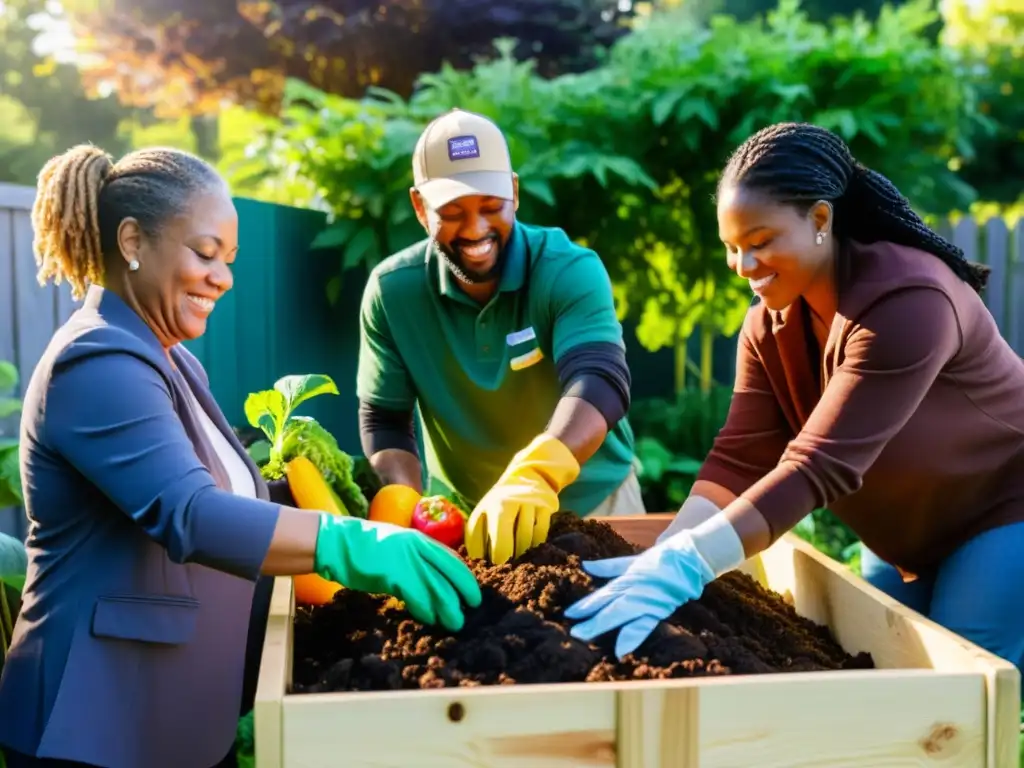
pixel 977 592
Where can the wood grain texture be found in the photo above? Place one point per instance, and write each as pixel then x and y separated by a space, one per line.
pixel 936 700
pixel 275 677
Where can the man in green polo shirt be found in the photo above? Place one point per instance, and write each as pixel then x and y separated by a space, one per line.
pixel 505 337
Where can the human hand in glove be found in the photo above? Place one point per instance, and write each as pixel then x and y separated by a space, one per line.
pixel 387 559
pixel 645 589
pixel 516 513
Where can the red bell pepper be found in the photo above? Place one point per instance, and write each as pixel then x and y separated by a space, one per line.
pixel 440 519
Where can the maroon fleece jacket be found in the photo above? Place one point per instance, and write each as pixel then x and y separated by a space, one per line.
pixel 909 425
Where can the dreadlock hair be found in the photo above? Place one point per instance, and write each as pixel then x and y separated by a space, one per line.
pixel 801 164
pixel 82 197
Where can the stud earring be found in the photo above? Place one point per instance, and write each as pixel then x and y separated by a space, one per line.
pixel 820 238
pixel 133 265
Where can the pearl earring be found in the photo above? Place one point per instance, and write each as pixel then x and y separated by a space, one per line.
pixel 820 238
pixel 133 265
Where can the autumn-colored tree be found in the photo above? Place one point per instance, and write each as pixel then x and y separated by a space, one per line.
pixel 42 100
pixel 188 56
pixel 989 36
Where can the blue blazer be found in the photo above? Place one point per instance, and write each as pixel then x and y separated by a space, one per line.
pixel 130 646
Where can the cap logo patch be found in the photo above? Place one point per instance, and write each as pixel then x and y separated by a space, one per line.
pixel 463 148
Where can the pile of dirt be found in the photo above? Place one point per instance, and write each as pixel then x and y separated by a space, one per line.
pixel 519 635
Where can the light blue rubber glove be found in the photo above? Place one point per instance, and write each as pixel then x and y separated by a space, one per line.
pixel 646 589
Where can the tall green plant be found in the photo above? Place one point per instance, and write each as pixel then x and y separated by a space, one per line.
pixel 698 90
pixel 626 156
pixel 13 565
pixel 10 474
pixel 988 38
pixel 355 157
pixel 674 437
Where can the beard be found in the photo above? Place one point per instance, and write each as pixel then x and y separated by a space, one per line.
pixel 455 264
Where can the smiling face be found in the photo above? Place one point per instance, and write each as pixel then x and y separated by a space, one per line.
pixel 185 268
pixel 471 232
pixel 774 246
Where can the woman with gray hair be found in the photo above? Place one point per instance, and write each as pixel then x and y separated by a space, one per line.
pixel 148 523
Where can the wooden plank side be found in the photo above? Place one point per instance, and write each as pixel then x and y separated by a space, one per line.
pixel 11 518
pixel 997 257
pixel 547 726
pixel 863 618
pixel 659 726
pixel 64 305
pixel 1015 329
pixel 274 676
pixel 33 304
pixel 965 237
pixel 16 197
pixel 853 719
pixel 7 351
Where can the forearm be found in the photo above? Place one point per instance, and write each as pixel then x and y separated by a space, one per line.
pixel 707 500
pixel 293 546
pixel 579 426
pixel 750 525
pixel 197 522
pixel 595 396
pixel 399 467
pixel 388 439
pixel 718 495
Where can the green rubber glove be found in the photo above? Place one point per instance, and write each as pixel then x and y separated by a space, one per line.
pixel 387 559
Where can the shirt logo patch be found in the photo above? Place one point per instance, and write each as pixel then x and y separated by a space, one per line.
pixel 532 357
pixel 463 148
pixel 529 351
pixel 521 337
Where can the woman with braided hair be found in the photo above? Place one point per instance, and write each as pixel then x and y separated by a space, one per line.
pixel 871 379
pixel 148 522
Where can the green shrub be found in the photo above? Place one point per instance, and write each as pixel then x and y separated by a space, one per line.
pixel 625 156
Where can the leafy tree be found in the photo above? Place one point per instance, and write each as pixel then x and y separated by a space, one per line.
pixel 353 158
pixel 989 38
pixel 191 55
pixel 45 107
pixel 626 156
pixel 694 92
pixel 10 474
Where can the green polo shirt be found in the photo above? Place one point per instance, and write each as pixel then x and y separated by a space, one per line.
pixel 484 376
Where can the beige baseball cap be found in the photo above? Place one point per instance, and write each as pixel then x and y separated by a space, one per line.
pixel 461 153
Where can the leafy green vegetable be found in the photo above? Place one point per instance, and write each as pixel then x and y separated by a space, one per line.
pixel 304 436
pixel 1022 736
pixel 290 436
pixel 10 474
pixel 245 741
pixel 8 381
pixel 13 564
pixel 366 477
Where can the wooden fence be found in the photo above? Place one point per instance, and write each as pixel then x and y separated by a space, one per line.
pixel 29 313
pixel 276 320
pixel 995 244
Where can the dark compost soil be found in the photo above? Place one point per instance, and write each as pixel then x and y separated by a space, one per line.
pixel 518 635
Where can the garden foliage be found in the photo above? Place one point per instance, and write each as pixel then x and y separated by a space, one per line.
pixel 626 156
pixel 10 477
pixel 192 56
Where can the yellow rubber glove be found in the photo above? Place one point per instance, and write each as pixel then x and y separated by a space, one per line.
pixel 516 513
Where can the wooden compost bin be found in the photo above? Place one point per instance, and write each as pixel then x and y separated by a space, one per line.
pixel 934 700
